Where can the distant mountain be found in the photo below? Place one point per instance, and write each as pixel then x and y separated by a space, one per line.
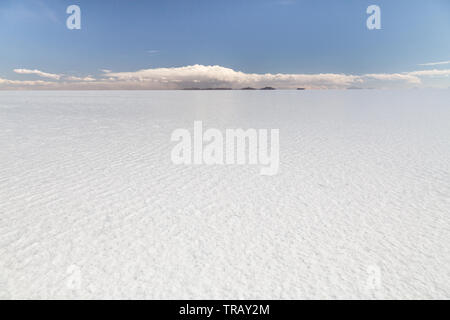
pixel 248 88
pixel 207 89
pixel 268 88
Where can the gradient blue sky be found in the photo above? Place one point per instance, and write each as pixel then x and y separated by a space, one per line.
pixel 264 36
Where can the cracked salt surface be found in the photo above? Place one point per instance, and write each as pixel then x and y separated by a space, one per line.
pixel 92 207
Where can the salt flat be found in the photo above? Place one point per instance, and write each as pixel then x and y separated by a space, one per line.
pixel 91 205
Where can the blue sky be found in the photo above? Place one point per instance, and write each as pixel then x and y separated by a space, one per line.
pixel 265 36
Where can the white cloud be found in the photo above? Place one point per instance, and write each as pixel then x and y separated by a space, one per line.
pixel 25 83
pixel 73 78
pixel 431 73
pixel 405 77
pixel 39 73
pixel 434 63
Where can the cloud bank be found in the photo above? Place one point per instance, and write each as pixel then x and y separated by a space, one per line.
pixel 435 63
pixel 39 73
pixel 201 76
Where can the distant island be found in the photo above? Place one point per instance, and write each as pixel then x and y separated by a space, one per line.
pixel 268 88
pixel 265 88
pixel 300 88
pixel 207 89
